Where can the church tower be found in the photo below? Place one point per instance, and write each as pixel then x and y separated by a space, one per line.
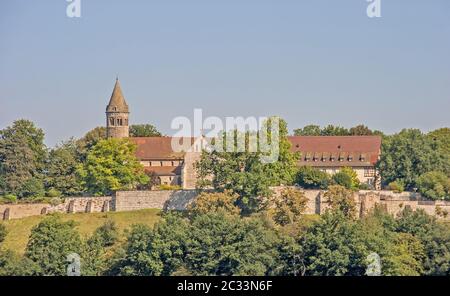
pixel 117 114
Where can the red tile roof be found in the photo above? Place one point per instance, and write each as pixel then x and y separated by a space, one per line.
pixel 346 150
pixel 155 148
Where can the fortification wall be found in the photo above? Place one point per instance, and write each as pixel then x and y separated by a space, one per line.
pixel 164 199
pixel 70 205
pixel 179 200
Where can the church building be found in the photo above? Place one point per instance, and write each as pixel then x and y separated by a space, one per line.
pixel 327 153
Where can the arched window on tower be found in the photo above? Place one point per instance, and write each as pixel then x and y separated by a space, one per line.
pixel 111 121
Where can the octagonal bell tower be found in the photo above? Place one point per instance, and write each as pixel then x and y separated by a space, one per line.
pixel 117 113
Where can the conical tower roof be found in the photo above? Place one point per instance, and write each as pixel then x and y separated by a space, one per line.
pixel 117 102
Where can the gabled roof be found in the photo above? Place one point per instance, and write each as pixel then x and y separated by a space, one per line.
pixel 346 150
pixel 117 102
pixel 315 150
pixel 156 148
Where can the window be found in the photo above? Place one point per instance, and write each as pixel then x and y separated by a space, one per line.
pixel 369 172
pixel 111 121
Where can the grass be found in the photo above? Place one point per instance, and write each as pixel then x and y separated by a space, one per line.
pixel 20 229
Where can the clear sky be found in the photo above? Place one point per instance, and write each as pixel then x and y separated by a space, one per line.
pixel 311 62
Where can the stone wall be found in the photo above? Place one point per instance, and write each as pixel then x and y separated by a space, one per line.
pixel 70 205
pixel 179 199
pixel 164 199
pixel 366 201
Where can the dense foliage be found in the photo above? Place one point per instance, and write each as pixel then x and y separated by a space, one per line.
pixel 244 172
pixel 112 165
pixel 331 130
pixel 409 154
pixel 222 242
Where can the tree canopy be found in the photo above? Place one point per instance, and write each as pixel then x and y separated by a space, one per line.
pixel 112 165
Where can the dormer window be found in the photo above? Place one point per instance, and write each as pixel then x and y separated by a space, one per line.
pixel 308 156
pixel 362 157
pixel 333 157
pixel 350 157
pixel 316 156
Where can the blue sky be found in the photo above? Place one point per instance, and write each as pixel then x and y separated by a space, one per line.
pixel 311 62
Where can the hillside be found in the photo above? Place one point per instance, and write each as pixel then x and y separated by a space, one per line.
pixel 19 230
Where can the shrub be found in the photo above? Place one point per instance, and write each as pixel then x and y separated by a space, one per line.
pixel 213 202
pixel 56 201
pixel 107 234
pixel 353 175
pixel 343 179
pixel 396 186
pixel 54 193
pixel 8 199
pixel 365 186
pixel 312 178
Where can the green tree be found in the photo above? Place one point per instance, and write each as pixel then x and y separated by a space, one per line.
pixel 89 140
pixel 160 251
pixel 22 156
pixel 407 155
pixel 441 142
pixel 333 246
pixel 434 236
pixel 283 170
pixel 289 206
pixel 341 200
pixel 308 130
pixel 353 175
pixel 51 241
pixel 434 185
pixel 95 250
pixel 360 130
pixel 220 244
pixel 400 253
pixel 112 165
pixel 13 264
pixel 331 130
pixel 144 130
pixel 61 169
pixel 244 173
